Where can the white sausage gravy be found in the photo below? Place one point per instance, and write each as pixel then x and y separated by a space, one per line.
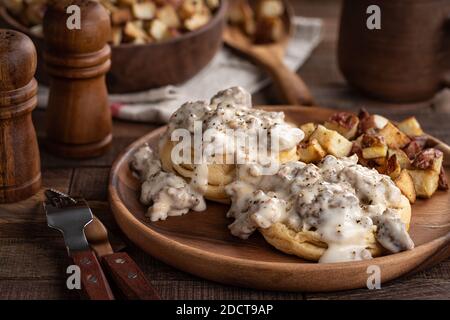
pixel 339 199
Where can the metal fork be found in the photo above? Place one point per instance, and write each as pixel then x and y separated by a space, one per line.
pixel 70 216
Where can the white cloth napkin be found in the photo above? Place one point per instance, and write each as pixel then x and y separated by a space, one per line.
pixel 225 70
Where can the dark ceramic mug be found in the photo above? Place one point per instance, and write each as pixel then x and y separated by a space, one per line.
pixel 408 59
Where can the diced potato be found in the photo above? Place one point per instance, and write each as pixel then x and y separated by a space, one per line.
pixel 268 30
pixel 121 16
pixel 374 152
pixel 134 30
pixel 373 147
pixel 429 159
pixel 372 123
pixel 416 145
pixel 332 142
pixel 270 8
pixel 213 4
pixel 402 158
pixel 311 152
pixel 395 139
pixel 37 30
pixel 406 185
pixel 158 30
pixel 168 15
pixel 411 127
pixel 196 21
pixel 189 8
pixel 443 181
pixel 392 166
pixel 308 129
pixel 425 182
pixel 345 123
pixel 380 162
pixel 144 10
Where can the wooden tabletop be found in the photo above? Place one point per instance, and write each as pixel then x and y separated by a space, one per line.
pixel 33 258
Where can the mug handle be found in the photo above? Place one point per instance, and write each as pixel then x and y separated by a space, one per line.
pixel 446 79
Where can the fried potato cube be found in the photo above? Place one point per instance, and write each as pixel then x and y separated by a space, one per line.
pixel 134 31
pixel 270 9
pixel 268 29
pixel 427 171
pixel 406 185
pixel 425 182
pixel 121 16
pixel 443 181
pixel 416 145
pixel 144 10
pixel 197 21
pixel 311 151
pixel 373 147
pixel 189 8
pixel 371 123
pixel 116 35
pixel 395 139
pixel 430 158
pixel 345 123
pixel 213 4
pixel 308 129
pixel 158 30
pixel 411 127
pixel 332 142
pixel 168 15
pixel 37 30
pixel 402 157
pixel 393 168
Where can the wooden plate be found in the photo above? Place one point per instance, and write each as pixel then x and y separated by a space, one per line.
pixel 201 244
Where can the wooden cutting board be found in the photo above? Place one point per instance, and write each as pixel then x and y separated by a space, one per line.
pixel 201 244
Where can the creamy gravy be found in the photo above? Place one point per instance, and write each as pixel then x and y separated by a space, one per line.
pixel 227 118
pixel 167 193
pixel 339 199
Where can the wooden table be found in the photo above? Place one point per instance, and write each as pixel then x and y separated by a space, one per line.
pixel 33 259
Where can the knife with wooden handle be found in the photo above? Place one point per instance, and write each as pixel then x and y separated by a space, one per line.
pixel 122 269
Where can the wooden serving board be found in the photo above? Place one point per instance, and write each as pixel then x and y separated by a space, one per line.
pixel 200 242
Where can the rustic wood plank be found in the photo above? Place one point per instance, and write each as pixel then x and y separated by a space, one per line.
pixel 90 183
pixel 410 288
pixel 36 289
pixel 27 218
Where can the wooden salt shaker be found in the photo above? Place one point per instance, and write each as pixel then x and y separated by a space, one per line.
pixel 20 174
pixel 78 115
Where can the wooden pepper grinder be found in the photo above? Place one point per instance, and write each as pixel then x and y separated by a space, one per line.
pixel 78 115
pixel 20 174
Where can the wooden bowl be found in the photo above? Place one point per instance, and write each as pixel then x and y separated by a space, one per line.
pixel 140 67
pixel 200 242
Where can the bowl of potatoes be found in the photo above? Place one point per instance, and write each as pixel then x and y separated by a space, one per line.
pixel 154 42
